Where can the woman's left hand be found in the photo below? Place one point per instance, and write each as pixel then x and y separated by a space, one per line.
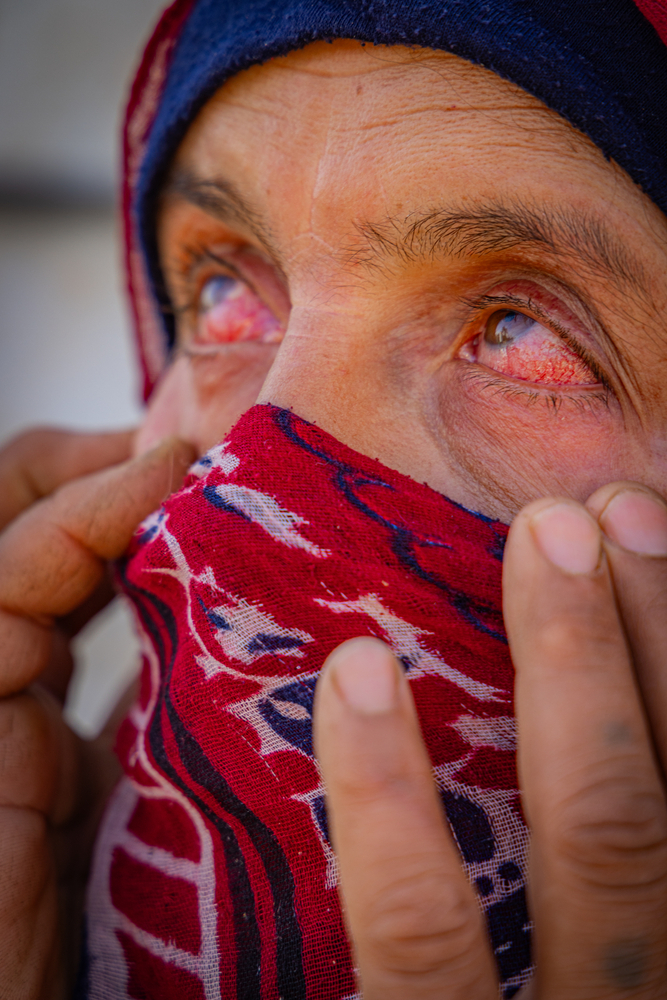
pixel 585 603
pixel 53 555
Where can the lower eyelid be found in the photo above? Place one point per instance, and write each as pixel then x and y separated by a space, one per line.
pixel 582 397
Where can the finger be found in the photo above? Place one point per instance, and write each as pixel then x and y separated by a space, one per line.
pixel 105 592
pixel 591 786
pixel 634 520
pixel 417 928
pixel 38 461
pixel 51 557
pixel 38 782
pixel 28 908
pixel 38 757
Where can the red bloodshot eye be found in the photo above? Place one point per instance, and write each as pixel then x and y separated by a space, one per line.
pixel 517 345
pixel 230 311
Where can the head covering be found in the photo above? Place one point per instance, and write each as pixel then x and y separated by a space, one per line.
pixel 601 64
pixel 214 876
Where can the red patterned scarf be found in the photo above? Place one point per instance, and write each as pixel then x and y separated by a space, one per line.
pixel 214 876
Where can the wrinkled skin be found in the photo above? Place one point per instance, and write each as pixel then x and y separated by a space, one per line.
pixel 323 161
pixel 343 139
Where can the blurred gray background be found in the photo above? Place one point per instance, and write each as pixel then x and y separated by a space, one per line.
pixel 66 355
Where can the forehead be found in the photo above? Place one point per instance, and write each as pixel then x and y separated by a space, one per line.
pixel 348 97
pixel 336 134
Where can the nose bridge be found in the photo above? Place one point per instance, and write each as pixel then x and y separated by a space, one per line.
pixel 318 360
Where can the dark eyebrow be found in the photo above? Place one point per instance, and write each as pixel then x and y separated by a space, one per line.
pixel 498 227
pixel 220 199
pixel 451 231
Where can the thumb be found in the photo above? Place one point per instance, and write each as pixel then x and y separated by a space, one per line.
pixel 51 557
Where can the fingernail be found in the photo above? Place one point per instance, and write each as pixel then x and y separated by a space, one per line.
pixel 637 522
pixel 568 536
pixel 365 674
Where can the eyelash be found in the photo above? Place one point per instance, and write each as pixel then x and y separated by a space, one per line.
pixel 196 257
pixel 483 307
pixel 497 385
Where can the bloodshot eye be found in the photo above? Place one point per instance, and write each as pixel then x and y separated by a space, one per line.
pixel 229 311
pixel 514 344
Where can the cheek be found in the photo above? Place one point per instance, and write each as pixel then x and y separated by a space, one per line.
pixel 511 453
pixel 164 413
pixel 201 397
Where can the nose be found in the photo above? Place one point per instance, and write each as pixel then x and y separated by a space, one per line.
pixel 322 370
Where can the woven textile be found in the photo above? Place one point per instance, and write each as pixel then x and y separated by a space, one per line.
pixel 214 875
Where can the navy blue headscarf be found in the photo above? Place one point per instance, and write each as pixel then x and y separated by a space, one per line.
pixel 601 64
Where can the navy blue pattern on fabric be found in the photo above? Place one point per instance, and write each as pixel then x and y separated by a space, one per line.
pixel 404 541
pixel 601 65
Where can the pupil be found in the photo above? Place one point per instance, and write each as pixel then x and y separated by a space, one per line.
pixel 505 326
pixel 215 291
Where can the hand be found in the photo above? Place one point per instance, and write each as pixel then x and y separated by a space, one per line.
pixel 585 603
pixel 32 466
pixel 37 462
pixel 52 561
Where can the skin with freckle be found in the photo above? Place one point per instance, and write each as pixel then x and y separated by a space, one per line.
pixel 380 318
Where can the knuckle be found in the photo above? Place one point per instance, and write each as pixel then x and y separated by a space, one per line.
pixel 420 926
pixel 32 437
pixel 576 633
pixel 613 833
pixel 26 648
pixel 32 443
pixel 27 758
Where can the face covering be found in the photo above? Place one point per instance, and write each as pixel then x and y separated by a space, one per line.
pixel 214 874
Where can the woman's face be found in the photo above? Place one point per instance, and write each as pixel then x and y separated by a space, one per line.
pixel 429 264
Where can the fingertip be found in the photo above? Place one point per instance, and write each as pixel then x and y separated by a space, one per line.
pixel 364 672
pixel 598 500
pixel 172 454
pixel 633 516
pixel 568 537
pixel 521 523
pixel 563 532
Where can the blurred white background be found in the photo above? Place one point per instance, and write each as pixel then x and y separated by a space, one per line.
pixel 66 356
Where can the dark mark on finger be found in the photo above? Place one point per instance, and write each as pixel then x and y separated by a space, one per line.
pixel 617 733
pixel 625 964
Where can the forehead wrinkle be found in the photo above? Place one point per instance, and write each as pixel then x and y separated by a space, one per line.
pixel 451 232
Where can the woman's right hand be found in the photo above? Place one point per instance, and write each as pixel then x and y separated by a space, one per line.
pixel 59 532
pixel 585 604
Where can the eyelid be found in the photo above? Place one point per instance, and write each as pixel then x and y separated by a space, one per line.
pixel 532 394
pixel 188 280
pixel 228 269
pixel 256 271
